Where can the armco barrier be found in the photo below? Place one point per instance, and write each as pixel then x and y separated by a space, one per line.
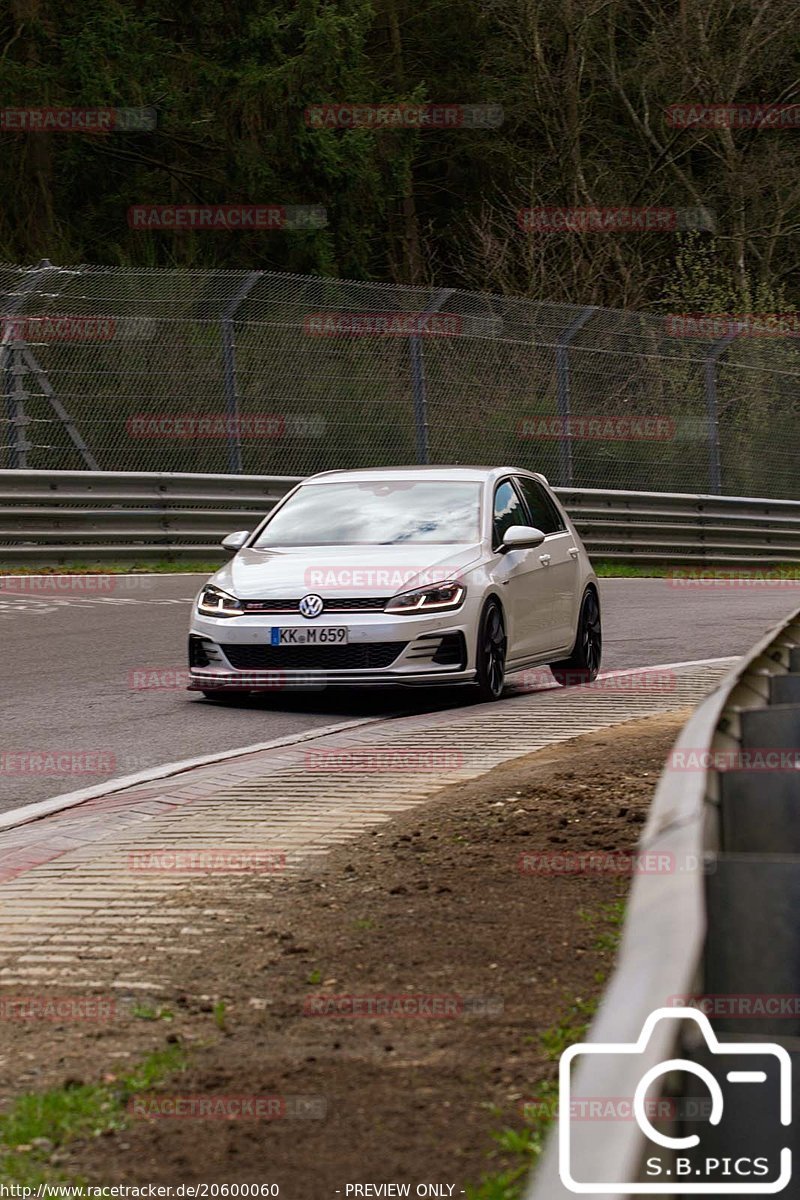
pixel 659 526
pixel 58 515
pixel 725 926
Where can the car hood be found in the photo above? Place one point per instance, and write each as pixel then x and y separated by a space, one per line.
pixel 290 573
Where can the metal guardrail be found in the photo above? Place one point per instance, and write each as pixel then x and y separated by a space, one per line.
pixel 57 515
pixel 725 925
pixel 653 526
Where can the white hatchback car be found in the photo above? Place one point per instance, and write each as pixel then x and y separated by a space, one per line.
pixel 400 575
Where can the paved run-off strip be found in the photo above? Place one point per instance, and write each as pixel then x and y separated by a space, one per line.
pixel 78 884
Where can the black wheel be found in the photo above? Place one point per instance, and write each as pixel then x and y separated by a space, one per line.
pixel 490 660
pixel 584 662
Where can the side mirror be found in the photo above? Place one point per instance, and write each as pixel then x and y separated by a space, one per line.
pixel 522 537
pixel 235 541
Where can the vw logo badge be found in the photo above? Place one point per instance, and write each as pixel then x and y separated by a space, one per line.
pixel 311 606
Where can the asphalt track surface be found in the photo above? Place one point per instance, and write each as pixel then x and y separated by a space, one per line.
pixel 73 664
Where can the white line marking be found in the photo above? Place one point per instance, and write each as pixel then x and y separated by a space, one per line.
pixel 44 808
pixel 692 662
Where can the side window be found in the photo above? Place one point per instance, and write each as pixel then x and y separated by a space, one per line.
pixel 508 510
pixel 544 514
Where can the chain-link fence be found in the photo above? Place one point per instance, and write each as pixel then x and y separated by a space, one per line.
pixel 149 369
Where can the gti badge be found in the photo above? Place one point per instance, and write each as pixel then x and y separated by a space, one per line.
pixel 311 606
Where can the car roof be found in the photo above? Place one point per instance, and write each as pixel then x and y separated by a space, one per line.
pixel 472 474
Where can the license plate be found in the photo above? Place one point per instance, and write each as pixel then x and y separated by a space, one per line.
pixel 293 635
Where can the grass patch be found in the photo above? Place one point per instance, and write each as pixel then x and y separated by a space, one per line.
pixel 157 567
pixel 609 569
pixel 605 568
pixel 572 1027
pixel 523 1147
pixel 146 1012
pixel 40 1123
pixel 611 917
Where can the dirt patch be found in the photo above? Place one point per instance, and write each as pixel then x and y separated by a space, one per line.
pixel 431 904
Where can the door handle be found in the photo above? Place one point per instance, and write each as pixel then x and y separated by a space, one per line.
pixel 573 551
pixel 544 558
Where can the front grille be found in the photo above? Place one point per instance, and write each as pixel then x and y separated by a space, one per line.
pixel 357 604
pixel 336 604
pixel 362 656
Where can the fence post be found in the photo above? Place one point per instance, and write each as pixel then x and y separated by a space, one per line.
pixel 19 418
pixel 229 374
pixel 8 388
pixel 562 394
pixel 713 356
pixel 419 382
pixel 12 370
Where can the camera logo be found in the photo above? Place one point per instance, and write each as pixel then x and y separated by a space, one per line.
pixel 679 1165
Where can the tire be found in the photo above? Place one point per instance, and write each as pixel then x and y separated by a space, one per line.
pixel 490 657
pixel 584 661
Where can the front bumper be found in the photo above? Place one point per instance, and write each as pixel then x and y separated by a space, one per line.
pixel 235 653
pixel 277 681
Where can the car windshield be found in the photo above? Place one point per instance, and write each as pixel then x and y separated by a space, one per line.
pixel 379 513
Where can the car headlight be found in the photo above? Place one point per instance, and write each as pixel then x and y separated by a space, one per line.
pixel 214 602
pixel 430 599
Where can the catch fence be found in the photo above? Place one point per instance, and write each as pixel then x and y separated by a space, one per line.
pixel 130 369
